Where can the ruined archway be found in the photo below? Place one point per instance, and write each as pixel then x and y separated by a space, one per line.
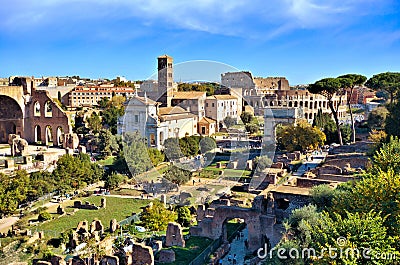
pixel 49 135
pixel 38 134
pixel 60 136
pixel 11 118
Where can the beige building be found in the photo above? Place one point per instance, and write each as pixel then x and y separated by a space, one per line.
pixel 207 126
pixel 218 107
pixel 82 96
pixel 193 101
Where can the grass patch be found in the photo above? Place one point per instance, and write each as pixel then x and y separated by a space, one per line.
pixel 107 162
pixel 118 208
pixel 194 246
pixel 127 192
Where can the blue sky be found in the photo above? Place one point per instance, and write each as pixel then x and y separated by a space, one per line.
pixel 304 40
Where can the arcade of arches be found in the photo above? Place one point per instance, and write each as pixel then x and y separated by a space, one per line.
pixel 34 116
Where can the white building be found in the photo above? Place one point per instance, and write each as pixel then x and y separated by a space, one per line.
pixel 218 107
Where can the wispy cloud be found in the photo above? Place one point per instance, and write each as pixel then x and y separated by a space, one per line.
pixel 235 17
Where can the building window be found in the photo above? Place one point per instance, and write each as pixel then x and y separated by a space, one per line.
pixel 213 105
pixel 136 118
pixel 36 109
pixel 48 109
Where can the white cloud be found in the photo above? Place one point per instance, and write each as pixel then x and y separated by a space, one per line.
pixel 269 18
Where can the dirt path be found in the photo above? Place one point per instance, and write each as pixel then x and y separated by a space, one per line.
pixel 6 223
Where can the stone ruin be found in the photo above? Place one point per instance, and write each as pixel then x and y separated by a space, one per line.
pixel 113 225
pixel 83 232
pixel 166 256
pixel 19 146
pixel 260 220
pixel 89 206
pixel 174 236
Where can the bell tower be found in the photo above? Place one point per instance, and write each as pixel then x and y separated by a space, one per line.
pixel 165 79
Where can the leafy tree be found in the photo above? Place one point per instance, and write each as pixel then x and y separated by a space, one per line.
pixel 300 137
pixel 229 121
pixel 177 175
pixel 246 117
pixel 392 122
pixel 327 125
pixel 135 153
pixel 156 217
pixel 252 128
pixel 190 145
pixel 203 87
pixel 262 162
pixel 103 102
pixel 322 196
pixel 388 82
pixel 377 118
pixel 156 156
pixel 388 156
pixel 44 216
pixel 184 216
pixel 94 122
pixel 207 144
pixel 350 82
pixel 113 180
pixel 329 87
pixel 172 149
pixel 108 143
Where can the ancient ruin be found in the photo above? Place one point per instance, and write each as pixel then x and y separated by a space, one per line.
pixel 174 235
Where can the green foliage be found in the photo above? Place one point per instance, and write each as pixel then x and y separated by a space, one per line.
pixel 113 180
pixel 262 162
pixel 108 143
pixel 13 191
pixel 184 216
pixel 327 125
pixel 229 121
pixel 388 82
pixel 76 171
pixel 113 110
pixel 44 216
pixel 156 217
pixel 207 144
pixel 393 120
pixel 246 117
pixel 252 128
pixel 377 118
pixel 190 145
pixel 203 87
pixel 103 102
pixel 172 149
pixel 388 156
pixel 156 156
pixel 177 175
pixel 135 154
pixel 300 137
pixel 94 123
pixel 322 196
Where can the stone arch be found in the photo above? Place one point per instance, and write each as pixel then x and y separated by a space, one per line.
pixel 49 135
pixel 48 109
pixel 271 103
pixel 306 104
pixel 60 136
pixel 295 104
pixel 306 116
pixel 301 103
pixel 11 118
pixel 36 109
pixel 290 104
pixel 38 134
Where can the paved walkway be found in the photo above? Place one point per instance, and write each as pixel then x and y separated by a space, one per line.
pixel 238 248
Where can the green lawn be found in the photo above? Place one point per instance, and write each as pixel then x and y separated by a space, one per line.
pixel 118 208
pixel 129 192
pixel 107 162
pixel 194 246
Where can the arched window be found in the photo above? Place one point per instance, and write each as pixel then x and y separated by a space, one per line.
pixel 36 109
pixel 48 109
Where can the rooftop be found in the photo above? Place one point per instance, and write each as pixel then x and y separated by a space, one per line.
pixel 207 120
pixel 189 95
pixel 222 97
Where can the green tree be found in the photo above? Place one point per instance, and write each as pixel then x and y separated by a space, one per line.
pixel 300 137
pixel 330 87
pixel 103 102
pixel 327 125
pixel 94 122
pixel 190 145
pixel 353 80
pixel 388 82
pixel 377 118
pixel 172 149
pixel 156 156
pixel 252 128
pixel 388 156
pixel 392 122
pixel 207 144
pixel 135 153
pixel 262 162
pixel 177 175
pixel 246 117
pixel 107 142
pixel 322 196
pixel 184 216
pixel 113 180
pixel 156 217
pixel 44 216
pixel 229 121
